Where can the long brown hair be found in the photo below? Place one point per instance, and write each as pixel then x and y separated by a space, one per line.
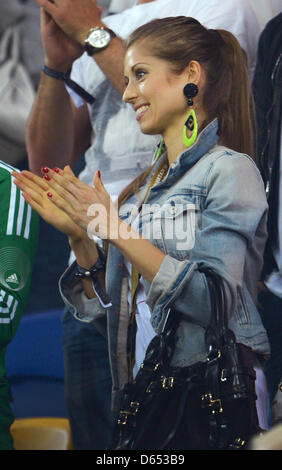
pixel 227 94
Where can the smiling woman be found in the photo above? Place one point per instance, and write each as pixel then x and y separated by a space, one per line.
pixel 181 80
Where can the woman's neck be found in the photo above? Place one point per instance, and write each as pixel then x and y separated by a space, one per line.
pixel 173 139
pixel 175 147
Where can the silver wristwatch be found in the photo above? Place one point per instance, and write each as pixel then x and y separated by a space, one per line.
pixel 98 39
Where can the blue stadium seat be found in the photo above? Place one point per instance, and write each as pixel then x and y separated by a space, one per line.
pixel 35 369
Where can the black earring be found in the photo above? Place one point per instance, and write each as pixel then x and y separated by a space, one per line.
pixel 190 91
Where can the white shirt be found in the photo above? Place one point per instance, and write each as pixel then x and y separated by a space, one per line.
pixel 266 10
pixel 117 6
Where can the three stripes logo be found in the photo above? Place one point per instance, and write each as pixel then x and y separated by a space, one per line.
pixel 13 280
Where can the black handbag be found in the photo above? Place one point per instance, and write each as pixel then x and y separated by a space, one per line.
pixel 208 405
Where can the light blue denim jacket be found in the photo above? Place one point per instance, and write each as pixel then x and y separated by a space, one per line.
pixel 218 196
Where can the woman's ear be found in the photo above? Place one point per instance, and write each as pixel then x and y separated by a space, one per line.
pixel 193 72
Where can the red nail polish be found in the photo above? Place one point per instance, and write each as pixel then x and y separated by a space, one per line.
pixel 44 169
pixel 47 177
pixel 56 170
pixel 99 173
pixel 50 195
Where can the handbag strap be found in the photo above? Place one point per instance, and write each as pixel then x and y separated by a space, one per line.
pixel 15 51
pixel 218 328
pixel 218 331
pixel 218 337
pixel 4 44
pixel 10 44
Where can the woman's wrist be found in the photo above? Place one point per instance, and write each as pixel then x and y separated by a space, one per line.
pixel 85 250
pixel 77 238
pixel 90 263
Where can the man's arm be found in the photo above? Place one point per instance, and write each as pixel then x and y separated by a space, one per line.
pixel 111 61
pixel 57 132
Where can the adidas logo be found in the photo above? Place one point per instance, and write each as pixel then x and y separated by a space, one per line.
pixel 13 278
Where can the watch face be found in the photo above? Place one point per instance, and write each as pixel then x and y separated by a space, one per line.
pixel 99 38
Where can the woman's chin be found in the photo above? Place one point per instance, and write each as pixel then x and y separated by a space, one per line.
pixel 149 130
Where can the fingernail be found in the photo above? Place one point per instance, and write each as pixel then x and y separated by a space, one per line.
pixel 47 177
pixel 44 169
pixel 99 173
pixel 50 195
pixel 56 170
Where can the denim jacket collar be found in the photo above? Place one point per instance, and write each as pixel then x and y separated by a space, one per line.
pixel 206 140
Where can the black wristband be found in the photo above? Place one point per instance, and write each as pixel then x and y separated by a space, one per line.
pixel 65 77
pixel 92 273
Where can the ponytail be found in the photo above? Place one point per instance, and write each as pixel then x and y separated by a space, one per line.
pixel 234 100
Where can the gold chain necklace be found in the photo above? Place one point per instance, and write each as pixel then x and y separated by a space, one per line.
pixel 157 178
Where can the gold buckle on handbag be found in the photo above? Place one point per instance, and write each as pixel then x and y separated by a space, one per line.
pixel 135 405
pixel 167 383
pixel 238 443
pixel 216 355
pixel 212 403
pixel 123 415
pixel 223 377
pixel 155 368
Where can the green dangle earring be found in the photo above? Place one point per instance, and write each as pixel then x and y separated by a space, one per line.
pixel 190 91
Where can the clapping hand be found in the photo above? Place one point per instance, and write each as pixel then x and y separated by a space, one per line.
pixel 89 208
pixel 36 193
pixel 75 18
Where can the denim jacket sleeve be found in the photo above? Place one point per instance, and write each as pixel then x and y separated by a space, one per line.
pixel 82 308
pixel 232 220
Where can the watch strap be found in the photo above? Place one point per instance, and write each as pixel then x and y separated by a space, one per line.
pixel 91 50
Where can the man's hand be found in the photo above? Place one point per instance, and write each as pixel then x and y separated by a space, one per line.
pixel 65 36
pixel 60 50
pixel 74 17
